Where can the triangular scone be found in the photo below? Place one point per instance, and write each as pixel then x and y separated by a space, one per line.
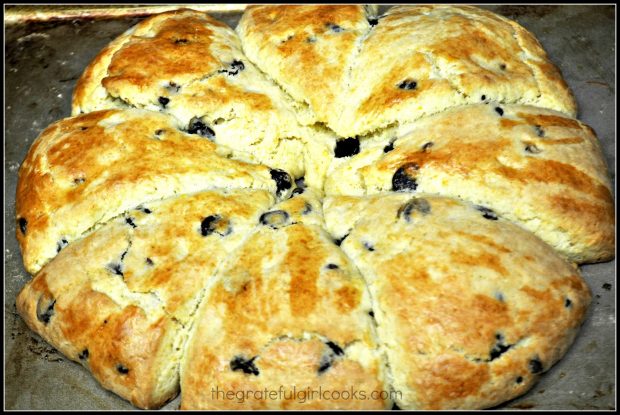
pixel 306 49
pixel 286 318
pixel 121 300
pixel 420 60
pixel 470 308
pixel 189 65
pixel 84 170
pixel 533 166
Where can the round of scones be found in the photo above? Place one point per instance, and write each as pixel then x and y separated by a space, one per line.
pixel 325 208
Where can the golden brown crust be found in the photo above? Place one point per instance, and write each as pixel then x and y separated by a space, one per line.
pixel 470 309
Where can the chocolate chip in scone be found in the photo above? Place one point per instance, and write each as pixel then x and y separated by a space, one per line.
pixel 427 146
pixel 115 268
pixel 245 365
pixel 181 41
pixel 274 219
pixel 373 21
pixel 502 66
pixel 499 297
pixel 371 314
pixel 332 266
pixel 606 286
pixel 83 128
pixel 539 131
pixel 325 363
pixel 334 27
pixel 23 225
pixel 389 147
pixel 347 147
pixel 196 126
pixel 369 246
pixel 499 349
pixel 535 366
pixel 311 39
pixel 487 213
pixel 414 205
pixel 147 210
pixel 61 244
pixel 519 379
pixel 568 303
pixel 297 191
pixel 79 180
pixel 402 181
pixel 163 101
pixel 532 149
pixel 45 308
pixel 83 354
pixel 339 241
pixel 158 134
pixel 130 222
pixel 122 369
pixel 215 224
pixel 236 67
pixel 499 110
pixel 173 87
pixel 483 98
pixel 408 85
pixel 283 180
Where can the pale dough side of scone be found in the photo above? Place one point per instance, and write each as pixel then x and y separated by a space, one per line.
pixel 84 170
pixel 121 300
pixel 470 309
pixel 289 310
pixel 189 65
pixel 536 167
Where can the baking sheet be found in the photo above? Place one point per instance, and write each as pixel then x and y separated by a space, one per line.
pixel 43 60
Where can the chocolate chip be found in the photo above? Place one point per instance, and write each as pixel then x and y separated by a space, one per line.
pixel 158 133
pixel 389 147
pixel 274 219
pixel 163 101
pixel 23 224
pixel 335 348
pixel 297 191
pixel 499 297
pixel 482 98
pixel 487 213
pixel 236 67
pixel 519 379
pixel 420 205
pixel 539 131
pixel 307 209
pixel 215 224
pixel 606 286
pixel 196 126
pixel 325 363
pixel 79 180
pixel 83 128
pixel 282 179
pixel 371 314
pixel 339 241
pixel 334 28
pixel 130 222
pixel 123 370
pixel 402 180
pixel 369 247
pixel 347 147
pixel 311 39
pixel 499 110
pixel 147 211
pixel 502 66
pixel 45 308
pixel 408 85
pixel 245 365
pixel 181 41
pixel 116 269
pixel 149 261
pixel 373 22
pixel 173 87
pixel 61 244
pixel 83 354
pixel 499 349
pixel 568 303
pixel 535 366
pixel 332 266
pixel 531 148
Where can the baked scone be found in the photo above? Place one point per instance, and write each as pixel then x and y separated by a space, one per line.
pixel 288 314
pixel 470 308
pixel 121 300
pixel 191 66
pixel 411 62
pixel 533 166
pixel 85 170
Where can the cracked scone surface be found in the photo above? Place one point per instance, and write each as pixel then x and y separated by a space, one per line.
pixel 494 155
pixel 82 171
pixel 163 258
pixel 288 309
pixel 121 300
pixel 392 69
pixel 470 308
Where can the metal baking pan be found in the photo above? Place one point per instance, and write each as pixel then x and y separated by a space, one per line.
pixel 46 50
